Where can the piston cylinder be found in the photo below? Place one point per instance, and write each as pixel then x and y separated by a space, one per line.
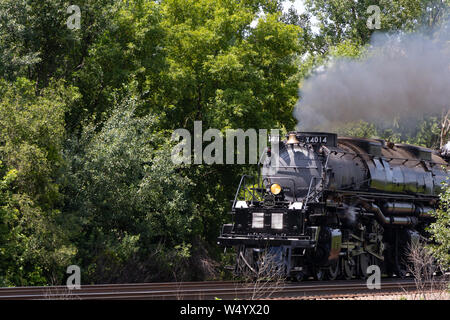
pixel 399 208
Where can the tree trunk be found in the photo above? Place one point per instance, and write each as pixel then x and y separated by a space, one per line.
pixel 445 127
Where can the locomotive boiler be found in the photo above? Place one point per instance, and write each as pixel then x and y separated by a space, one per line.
pixel 331 206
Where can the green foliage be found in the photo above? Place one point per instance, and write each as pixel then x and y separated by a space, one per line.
pixel 115 191
pixel 359 129
pixel 31 137
pixel 32 133
pixel 36 43
pixel 347 49
pixel 224 72
pixel 125 193
pixel 128 50
pixel 440 229
pixel 427 134
pixel 342 20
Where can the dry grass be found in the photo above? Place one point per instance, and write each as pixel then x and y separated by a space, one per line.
pixel 432 283
pixel 264 277
pixel 397 296
pixel 60 293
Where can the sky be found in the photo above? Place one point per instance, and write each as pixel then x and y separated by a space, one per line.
pixel 298 4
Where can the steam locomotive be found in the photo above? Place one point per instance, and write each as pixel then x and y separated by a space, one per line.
pixel 331 206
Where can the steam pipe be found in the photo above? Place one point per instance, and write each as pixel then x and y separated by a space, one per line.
pixel 388 220
pixel 425 212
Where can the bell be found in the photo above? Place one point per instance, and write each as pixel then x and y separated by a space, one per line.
pixel 292 139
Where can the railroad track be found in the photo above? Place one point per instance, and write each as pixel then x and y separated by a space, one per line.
pixel 205 290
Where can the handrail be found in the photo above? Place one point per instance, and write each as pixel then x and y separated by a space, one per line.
pixel 309 190
pixel 253 195
pixel 326 162
pixel 237 192
pixel 245 188
pixel 385 158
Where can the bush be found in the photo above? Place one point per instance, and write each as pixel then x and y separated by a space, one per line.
pixel 128 201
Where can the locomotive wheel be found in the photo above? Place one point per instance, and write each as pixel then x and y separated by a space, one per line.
pixel 400 270
pixel 373 260
pixel 319 274
pixel 299 276
pixel 389 269
pixel 363 263
pixel 348 269
pixel 439 272
pixel 332 271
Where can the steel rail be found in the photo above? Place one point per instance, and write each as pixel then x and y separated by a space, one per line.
pixel 202 290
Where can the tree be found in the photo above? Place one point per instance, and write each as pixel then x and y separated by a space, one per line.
pixel 128 49
pixel 440 229
pixel 224 72
pixel 36 43
pixel 129 201
pixel 228 74
pixel 341 20
pixel 35 249
pixel 86 117
pixel 359 129
pixel 445 128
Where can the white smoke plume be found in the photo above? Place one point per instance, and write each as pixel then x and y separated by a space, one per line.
pixel 403 76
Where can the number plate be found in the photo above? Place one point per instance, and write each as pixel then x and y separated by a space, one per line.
pixel 316 139
pixel 328 139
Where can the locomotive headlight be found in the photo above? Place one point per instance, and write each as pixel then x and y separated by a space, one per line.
pixel 275 189
pixel 258 220
pixel 277 221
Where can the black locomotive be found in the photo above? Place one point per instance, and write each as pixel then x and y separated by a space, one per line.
pixel 333 206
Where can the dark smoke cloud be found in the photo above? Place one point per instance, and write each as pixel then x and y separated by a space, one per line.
pixel 403 76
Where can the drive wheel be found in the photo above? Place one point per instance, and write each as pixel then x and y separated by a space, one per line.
pixel 319 274
pixel 332 271
pixel 299 276
pixel 348 269
pixel 363 264
pixel 400 270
